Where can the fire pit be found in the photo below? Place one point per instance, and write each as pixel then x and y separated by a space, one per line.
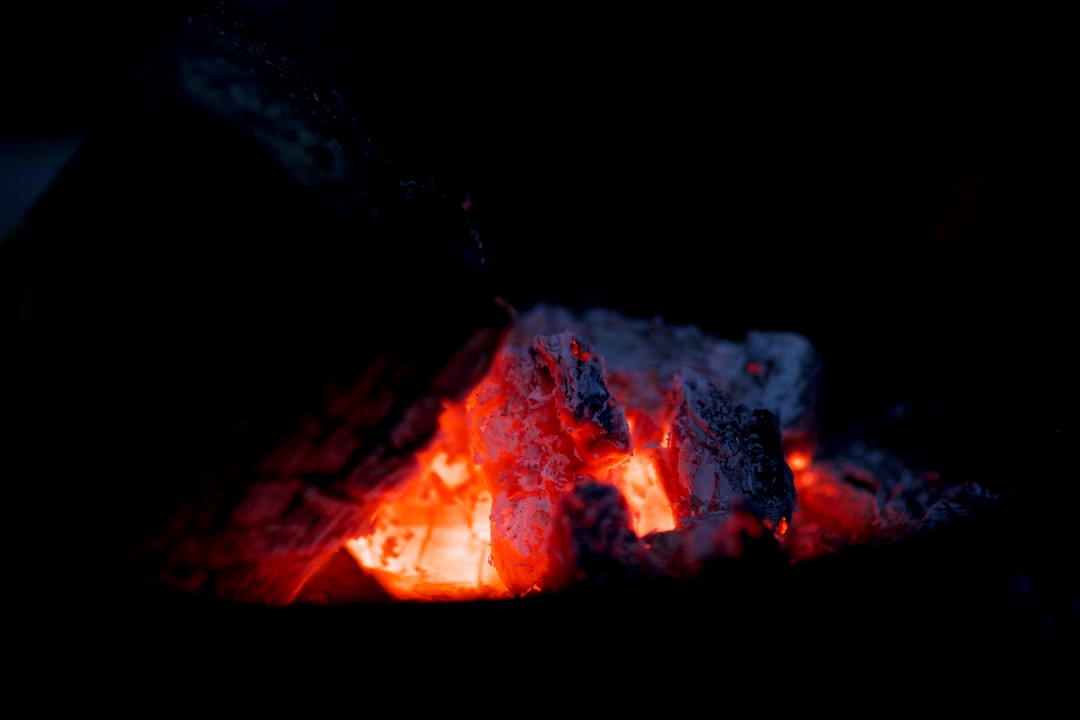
pixel 417 407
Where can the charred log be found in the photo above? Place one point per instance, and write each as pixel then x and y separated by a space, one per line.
pixel 726 454
pixel 774 370
pixel 554 441
pixel 228 324
pixel 542 419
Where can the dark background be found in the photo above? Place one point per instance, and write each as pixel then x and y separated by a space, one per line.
pixel 890 187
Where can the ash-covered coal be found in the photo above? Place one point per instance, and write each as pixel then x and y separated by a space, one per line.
pixel 820 498
pixel 612 449
pixel 775 370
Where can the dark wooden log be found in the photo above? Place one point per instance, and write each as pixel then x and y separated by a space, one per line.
pixel 227 325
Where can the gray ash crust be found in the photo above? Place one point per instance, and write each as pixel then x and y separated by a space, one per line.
pixel 776 370
pixel 582 384
pixel 738 444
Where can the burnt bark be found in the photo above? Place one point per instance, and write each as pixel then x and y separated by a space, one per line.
pixel 227 325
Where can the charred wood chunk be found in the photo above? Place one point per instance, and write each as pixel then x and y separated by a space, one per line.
pixel 726 455
pixel 597 422
pixel 592 541
pixel 711 541
pixel 868 496
pixel 236 317
pixel 593 544
pixel 782 373
pixel 775 370
pixel 542 417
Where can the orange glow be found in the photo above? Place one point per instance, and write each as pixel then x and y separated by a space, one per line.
pixel 509 456
pixel 798 461
pixel 639 482
pixel 431 539
pixel 755 368
pixel 805 479
pixel 580 352
pixel 639 478
pixel 798 451
pixel 432 535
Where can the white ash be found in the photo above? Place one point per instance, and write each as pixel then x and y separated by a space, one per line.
pixel 780 371
pixel 727 455
pixel 540 420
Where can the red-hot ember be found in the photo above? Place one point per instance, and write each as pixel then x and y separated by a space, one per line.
pixel 603 447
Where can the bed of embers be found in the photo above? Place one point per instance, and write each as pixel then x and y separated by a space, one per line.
pixel 604 449
pixel 611 478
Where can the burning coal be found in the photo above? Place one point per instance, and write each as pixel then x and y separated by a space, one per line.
pixel 602 448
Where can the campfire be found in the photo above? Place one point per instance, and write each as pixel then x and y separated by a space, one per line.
pixel 602 448
pixel 297 381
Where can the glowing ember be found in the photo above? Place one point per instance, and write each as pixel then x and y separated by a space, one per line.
pixel 648 455
pixel 431 537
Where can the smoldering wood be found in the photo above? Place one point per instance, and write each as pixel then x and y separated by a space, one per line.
pixel 866 495
pixel 548 431
pixel 724 459
pixel 592 544
pixel 228 323
pixel 780 371
pixel 593 541
pixel 726 455
pixel 543 418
